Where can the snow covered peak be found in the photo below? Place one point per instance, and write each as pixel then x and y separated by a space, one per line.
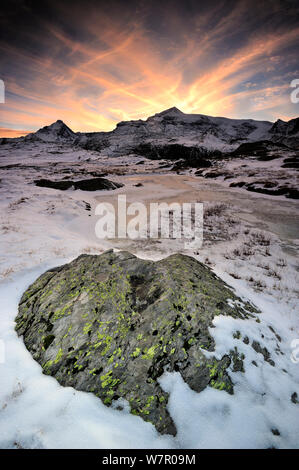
pixel 57 125
pixel 170 112
pixel 56 132
pixel 173 126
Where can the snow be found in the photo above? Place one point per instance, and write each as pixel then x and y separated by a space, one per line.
pixel 253 170
pixel 169 126
pixel 56 132
pixel 42 228
pixel 213 419
pixel 36 412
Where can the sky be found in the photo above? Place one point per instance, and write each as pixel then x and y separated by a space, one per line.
pixel 95 63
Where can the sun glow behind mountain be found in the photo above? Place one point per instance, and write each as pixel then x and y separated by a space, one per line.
pixel 93 64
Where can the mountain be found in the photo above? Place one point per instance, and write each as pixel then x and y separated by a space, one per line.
pixel 56 132
pixel 286 132
pixel 172 127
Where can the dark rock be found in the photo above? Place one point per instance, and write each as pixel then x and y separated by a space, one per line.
pixel 87 206
pixel 264 187
pixel 278 337
pixel 286 191
pixel 238 364
pixel 259 149
pixel 264 351
pixel 237 334
pixel 165 165
pixel 292 193
pixel 217 174
pixel 111 324
pixel 98 174
pixel 191 163
pixel 237 184
pixel 290 165
pixel 199 172
pixel 268 157
pixel 294 398
pixel 193 155
pixel 94 184
pixel 293 159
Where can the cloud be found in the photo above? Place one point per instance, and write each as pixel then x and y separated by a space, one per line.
pixel 4 132
pixel 93 66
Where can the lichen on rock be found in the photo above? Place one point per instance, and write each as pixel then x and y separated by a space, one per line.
pixel 111 324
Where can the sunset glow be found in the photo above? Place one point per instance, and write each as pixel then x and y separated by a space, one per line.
pixel 96 65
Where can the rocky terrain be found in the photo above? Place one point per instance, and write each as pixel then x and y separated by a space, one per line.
pixel 272 173
pixel 182 142
pixel 49 190
pixel 209 135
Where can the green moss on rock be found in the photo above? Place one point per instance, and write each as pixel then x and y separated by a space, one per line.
pixel 111 324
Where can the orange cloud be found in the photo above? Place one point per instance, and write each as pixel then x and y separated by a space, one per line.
pixel 11 132
pixel 126 73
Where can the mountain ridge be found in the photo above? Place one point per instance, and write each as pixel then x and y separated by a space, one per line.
pixel 171 126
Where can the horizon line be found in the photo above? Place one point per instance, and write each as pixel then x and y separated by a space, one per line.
pixel 23 133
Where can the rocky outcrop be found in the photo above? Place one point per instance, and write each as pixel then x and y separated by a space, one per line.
pixel 93 184
pixel 189 157
pixel 286 132
pixel 112 324
pixel 267 187
pixel 261 149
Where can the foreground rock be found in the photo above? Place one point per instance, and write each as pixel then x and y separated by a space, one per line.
pixel 93 184
pixel 111 324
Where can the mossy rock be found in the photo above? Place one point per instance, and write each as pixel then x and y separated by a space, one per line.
pixel 112 324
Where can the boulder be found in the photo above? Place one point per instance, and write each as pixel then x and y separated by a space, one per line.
pixel 111 324
pixel 93 184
